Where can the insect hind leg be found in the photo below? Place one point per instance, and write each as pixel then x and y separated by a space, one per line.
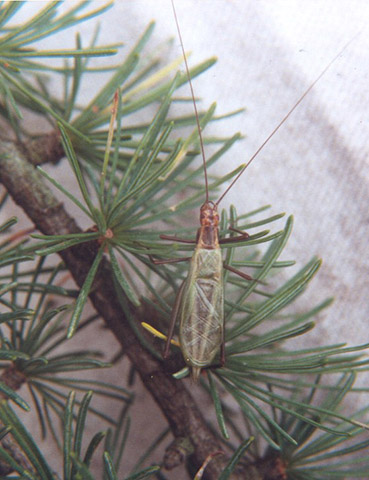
pixel 173 319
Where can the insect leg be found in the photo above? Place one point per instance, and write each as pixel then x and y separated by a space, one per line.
pixel 222 346
pixel 241 238
pixel 176 239
pixel 243 234
pixel 241 274
pixel 155 261
pixel 173 319
pixel 172 260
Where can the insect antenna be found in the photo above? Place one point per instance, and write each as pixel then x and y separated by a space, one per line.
pixel 194 104
pixel 274 131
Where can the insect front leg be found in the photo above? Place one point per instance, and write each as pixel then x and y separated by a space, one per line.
pixel 173 238
pixel 156 261
pixel 240 238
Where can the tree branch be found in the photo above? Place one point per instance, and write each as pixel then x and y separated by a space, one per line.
pixel 45 148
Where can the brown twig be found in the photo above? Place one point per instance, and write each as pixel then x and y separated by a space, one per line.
pixel 45 148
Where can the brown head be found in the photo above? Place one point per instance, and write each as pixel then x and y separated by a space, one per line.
pixel 209 216
pixel 208 233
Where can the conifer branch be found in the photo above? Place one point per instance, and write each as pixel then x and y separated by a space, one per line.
pixel 27 188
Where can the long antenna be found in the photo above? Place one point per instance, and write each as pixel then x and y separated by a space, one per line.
pixel 274 131
pixel 194 104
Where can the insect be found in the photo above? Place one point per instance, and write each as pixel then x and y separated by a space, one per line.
pixel 199 305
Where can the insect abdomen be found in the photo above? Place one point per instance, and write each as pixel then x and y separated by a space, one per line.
pixel 201 309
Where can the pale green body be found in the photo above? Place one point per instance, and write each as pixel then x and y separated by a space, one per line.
pixel 200 309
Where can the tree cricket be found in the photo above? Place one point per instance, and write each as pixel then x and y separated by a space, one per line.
pixel 199 304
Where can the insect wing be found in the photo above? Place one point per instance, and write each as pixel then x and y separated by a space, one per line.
pixel 201 308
